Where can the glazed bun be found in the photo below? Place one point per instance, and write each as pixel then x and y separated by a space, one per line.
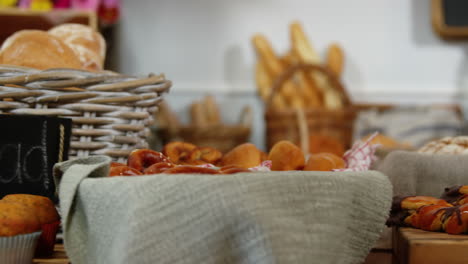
pixel 88 44
pixel 37 49
pixel 17 219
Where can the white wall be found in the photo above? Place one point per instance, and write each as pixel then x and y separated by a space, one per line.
pixel 392 53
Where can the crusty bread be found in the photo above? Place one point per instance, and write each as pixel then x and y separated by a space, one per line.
pixel 87 43
pixel 447 145
pixel 37 49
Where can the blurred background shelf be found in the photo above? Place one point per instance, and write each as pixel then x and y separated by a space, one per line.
pixel 14 19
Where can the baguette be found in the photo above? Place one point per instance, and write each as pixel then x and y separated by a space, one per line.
pixel 197 114
pixel 211 111
pixel 335 59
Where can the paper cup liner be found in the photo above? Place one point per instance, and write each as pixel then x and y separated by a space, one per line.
pixel 18 249
pixel 46 243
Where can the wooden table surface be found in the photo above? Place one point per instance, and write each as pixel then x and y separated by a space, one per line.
pixel 415 246
pixel 59 257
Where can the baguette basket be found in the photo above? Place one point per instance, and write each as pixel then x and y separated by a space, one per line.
pixel 296 125
pixel 111 112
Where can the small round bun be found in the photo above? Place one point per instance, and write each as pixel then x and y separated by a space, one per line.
pixel 37 49
pixel 87 43
pixel 285 156
pixel 245 156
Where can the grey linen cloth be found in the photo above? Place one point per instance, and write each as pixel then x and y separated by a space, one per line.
pixel 261 217
pixel 413 173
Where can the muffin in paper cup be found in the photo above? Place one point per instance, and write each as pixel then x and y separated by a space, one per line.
pixel 18 249
pixel 46 243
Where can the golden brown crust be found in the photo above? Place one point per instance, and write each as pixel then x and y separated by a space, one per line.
pixel 324 162
pixel 284 155
pixel 38 49
pixel 244 156
pixel 42 206
pixel 16 219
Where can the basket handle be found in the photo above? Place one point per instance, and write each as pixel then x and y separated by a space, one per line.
pixel 286 75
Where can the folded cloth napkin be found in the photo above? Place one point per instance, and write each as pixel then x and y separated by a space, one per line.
pixel 413 173
pixel 258 217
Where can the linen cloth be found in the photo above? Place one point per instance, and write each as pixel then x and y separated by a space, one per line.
pixel 258 217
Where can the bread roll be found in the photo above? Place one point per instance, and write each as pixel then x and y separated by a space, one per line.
pixel 88 44
pixel 284 156
pixel 37 49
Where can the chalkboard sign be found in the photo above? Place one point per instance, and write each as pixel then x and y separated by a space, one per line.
pixel 29 147
pixel 450 18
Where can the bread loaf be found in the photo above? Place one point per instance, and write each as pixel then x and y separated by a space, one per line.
pixel 37 49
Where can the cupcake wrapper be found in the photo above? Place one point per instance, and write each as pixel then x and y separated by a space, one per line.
pixel 18 249
pixel 46 243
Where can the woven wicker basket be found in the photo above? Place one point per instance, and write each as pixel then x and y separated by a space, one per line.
pixel 297 124
pixel 111 112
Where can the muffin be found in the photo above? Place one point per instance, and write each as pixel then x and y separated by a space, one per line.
pixel 19 233
pixel 47 216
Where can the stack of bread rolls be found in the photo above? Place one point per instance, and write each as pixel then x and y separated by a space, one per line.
pixel 65 46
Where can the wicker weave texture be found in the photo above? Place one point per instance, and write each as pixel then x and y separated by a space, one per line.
pixel 111 112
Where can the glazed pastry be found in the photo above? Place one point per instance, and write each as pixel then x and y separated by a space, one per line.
pixel 123 171
pixel 454 193
pixel 178 151
pixel 284 156
pixel 140 159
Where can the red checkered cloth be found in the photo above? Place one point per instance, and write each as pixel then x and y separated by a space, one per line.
pixel 361 155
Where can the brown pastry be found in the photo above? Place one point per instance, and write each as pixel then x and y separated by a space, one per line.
pixel 244 156
pixel 324 162
pixel 284 156
pixel 88 44
pixel 319 143
pixel 16 219
pixel 178 152
pixel 140 159
pixel 37 49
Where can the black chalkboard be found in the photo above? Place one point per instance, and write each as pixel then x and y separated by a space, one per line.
pixel 450 18
pixel 455 12
pixel 30 145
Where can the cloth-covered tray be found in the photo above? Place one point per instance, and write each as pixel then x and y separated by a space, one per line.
pixel 259 217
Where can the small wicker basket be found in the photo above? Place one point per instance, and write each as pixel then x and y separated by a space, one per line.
pixel 111 112
pixel 297 124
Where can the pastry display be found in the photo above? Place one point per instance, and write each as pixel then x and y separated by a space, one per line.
pixel 448 145
pixel 432 214
pixel 65 46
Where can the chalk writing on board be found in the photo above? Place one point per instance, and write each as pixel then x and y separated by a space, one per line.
pixel 19 158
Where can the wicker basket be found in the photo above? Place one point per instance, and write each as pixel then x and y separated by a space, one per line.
pixel 297 124
pixel 111 112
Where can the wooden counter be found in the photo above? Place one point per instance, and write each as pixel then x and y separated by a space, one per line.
pixel 414 246
pixel 59 257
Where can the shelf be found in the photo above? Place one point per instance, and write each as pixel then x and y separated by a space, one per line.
pixel 14 19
